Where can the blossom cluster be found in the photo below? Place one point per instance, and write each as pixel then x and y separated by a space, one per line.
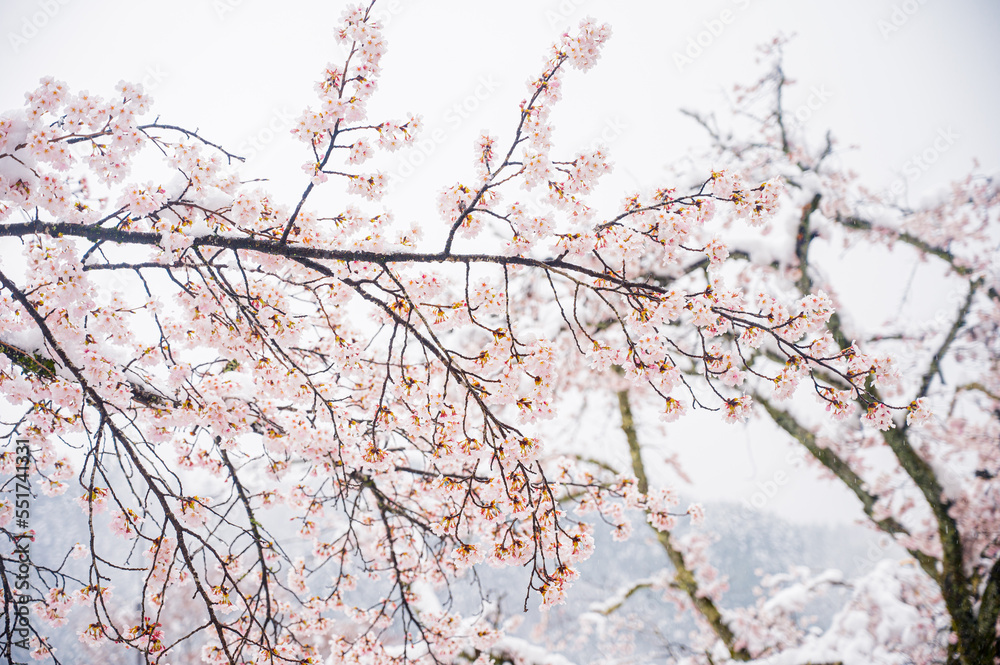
pixel 311 364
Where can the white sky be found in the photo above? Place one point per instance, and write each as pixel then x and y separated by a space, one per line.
pixel 238 69
pixel 232 66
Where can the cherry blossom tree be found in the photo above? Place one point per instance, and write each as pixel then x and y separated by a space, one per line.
pixel 294 426
pixel 936 497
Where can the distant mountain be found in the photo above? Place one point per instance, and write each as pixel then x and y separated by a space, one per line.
pixel 750 544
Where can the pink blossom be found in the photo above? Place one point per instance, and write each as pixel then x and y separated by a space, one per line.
pixel 360 152
pixel 371 187
pixel 717 252
pixel 738 409
pixel 143 200
pixel 918 412
pixel 879 416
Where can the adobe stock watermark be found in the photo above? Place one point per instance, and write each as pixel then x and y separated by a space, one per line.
pixel 818 97
pixel 918 164
pixel 612 129
pixel 280 121
pixel 942 319
pixel 713 29
pixel 899 16
pixel 21 628
pixel 153 77
pixel 223 7
pixel 458 113
pixel 384 12
pixel 419 153
pixel 563 12
pixel 770 488
pixel 876 552
pixel 33 24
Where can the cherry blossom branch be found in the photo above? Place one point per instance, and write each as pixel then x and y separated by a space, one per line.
pixel 257 541
pixel 276 248
pixel 859 224
pixel 193 134
pixel 843 471
pixel 619 597
pixel 934 369
pixel 525 114
pixel 106 419
pixel 954 583
pixel 951 578
pixel 684 578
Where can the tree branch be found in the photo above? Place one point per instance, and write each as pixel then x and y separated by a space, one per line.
pixel 935 366
pixel 685 577
pixel 843 471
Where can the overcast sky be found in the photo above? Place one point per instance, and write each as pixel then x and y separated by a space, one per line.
pixel 891 74
pixel 887 76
